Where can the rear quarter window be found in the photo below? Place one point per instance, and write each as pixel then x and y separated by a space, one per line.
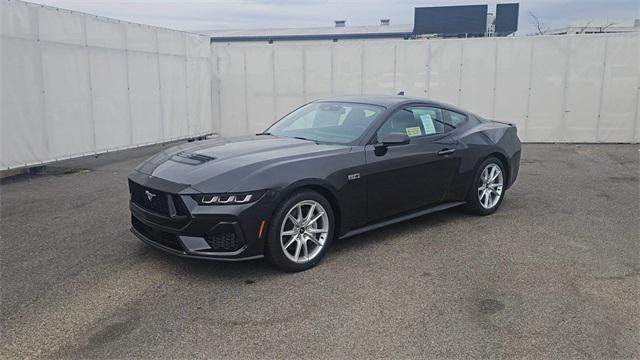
pixel 455 119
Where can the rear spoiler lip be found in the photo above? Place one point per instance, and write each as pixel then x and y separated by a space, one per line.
pixel 503 122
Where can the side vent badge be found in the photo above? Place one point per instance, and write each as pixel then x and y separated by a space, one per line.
pixel 353 176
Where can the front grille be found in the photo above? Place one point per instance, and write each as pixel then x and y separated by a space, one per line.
pixel 156 201
pixel 161 237
pixel 224 238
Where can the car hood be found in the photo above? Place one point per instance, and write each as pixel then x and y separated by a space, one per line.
pixel 221 164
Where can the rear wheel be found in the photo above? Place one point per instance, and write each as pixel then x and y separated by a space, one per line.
pixel 488 189
pixel 302 230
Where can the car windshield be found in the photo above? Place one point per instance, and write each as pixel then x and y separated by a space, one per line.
pixel 331 122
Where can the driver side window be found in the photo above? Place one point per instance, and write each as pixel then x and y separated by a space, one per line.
pixel 413 121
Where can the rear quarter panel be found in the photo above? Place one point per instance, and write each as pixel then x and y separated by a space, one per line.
pixel 479 142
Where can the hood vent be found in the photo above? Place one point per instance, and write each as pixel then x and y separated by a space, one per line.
pixel 191 158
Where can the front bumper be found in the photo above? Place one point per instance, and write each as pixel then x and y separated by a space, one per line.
pixel 188 254
pixel 222 232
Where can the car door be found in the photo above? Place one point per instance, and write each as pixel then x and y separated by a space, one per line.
pixel 402 178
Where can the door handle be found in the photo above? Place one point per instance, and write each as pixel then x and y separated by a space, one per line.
pixel 446 151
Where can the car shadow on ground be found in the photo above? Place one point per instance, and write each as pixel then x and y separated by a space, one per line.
pixel 402 229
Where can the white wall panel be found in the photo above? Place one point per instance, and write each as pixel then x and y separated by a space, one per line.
pixel 548 80
pixel 144 97
pixel 260 87
pixel 61 26
pixel 289 78
pixel 197 46
pixel 110 98
pixel 173 81
pixel 619 92
pixel 233 106
pixel 106 33
pixel 23 130
pixel 67 100
pixel 347 68
pixel 216 106
pixel 513 72
pixel 317 70
pixel 19 20
pixel 554 88
pixel 75 84
pixel 141 38
pixel 445 57
pixel 199 95
pixel 171 42
pixel 411 67
pixel 380 67
pixel 584 84
pixel 478 76
pixel 637 124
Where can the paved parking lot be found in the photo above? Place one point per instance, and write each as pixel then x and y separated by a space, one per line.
pixel 554 273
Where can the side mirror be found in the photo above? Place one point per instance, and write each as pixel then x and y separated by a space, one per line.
pixel 396 139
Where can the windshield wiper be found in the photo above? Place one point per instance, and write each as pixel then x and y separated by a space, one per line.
pixel 294 137
pixel 304 138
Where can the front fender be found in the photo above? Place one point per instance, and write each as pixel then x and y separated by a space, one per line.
pixel 329 175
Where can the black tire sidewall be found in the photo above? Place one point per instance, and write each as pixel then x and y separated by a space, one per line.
pixel 473 201
pixel 273 250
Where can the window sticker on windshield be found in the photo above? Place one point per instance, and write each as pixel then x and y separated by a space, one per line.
pixel 427 123
pixel 413 131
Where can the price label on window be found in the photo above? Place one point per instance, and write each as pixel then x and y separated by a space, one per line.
pixel 427 123
pixel 413 131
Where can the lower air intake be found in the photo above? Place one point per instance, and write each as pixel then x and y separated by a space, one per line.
pixel 224 239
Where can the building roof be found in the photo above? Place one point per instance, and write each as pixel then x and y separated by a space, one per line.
pixel 314 33
pixel 596 26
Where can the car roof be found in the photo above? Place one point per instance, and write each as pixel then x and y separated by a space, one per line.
pixel 388 100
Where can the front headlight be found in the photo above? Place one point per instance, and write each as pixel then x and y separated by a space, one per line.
pixel 228 199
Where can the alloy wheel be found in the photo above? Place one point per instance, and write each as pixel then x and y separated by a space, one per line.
pixel 491 185
pixel 304 231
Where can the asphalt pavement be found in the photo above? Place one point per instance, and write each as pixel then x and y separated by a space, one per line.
pixel 553 274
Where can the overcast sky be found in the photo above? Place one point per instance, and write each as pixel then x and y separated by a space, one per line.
pixel 251 14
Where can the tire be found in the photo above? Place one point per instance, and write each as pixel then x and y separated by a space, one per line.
pixel 287 224
pixel 482 199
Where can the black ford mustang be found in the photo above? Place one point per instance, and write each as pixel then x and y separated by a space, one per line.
pixel 332 168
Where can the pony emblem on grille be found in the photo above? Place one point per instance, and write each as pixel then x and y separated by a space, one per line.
pixel 150 195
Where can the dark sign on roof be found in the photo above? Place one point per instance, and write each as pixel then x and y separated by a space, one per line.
pixel 451 20
pixel 506 19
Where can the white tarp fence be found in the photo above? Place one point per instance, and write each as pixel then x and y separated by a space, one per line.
pixel 75 84
pixel 576 88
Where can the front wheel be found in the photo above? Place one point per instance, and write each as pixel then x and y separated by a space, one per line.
pixel 488 188
pixel 301 231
